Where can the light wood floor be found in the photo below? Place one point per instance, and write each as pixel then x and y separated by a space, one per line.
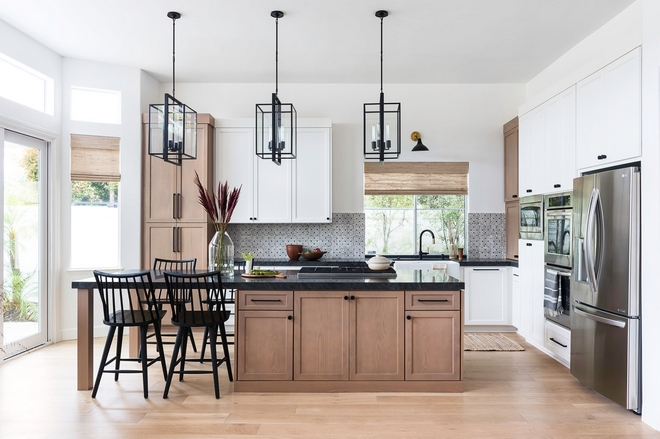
pixel 508 395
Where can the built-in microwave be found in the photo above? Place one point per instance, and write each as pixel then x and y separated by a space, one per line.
pixel 558 219
pixel 531 217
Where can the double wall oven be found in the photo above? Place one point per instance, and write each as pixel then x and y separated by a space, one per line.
pixel 559 249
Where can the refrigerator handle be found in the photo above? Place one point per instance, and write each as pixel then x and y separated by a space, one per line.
pixel 580 270
pixel 600 242
pixel 591 216
pixel 599 319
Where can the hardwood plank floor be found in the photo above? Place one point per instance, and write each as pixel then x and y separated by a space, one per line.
pixel 507 395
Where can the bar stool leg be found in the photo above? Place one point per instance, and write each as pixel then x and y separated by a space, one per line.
pixel 120 337
pixel 214 360
pixel 159 345
pixel 225 348
pixel 104 359
pixel 145 373
pixel 175 354
pixel 184 345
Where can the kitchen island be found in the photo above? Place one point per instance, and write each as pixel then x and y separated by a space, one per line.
pixel 344 335
pixel 332 335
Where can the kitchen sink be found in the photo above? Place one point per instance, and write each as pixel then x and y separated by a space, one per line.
pixel 420 265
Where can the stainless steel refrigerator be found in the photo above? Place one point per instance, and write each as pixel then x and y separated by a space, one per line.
pixel 605 298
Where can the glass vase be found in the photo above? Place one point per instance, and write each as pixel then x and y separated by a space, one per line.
pixel 221 254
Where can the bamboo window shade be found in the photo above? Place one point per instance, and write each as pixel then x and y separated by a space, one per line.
pixel 94 158
pixel 408 178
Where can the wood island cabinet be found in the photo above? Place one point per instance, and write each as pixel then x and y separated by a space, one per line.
pixel 349 341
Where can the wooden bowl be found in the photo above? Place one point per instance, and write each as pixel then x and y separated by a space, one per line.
pixel 293 251
pixel 313 255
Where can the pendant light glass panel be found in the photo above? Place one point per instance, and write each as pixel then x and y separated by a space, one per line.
pixel 276 125
pixel 391 131
pixel 172 131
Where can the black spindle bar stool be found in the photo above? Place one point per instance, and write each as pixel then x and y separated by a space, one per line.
pixel 183 265
pixel 197 290
pixel 123 296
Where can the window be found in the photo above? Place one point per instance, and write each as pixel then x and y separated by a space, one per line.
pixel 26 86
pixel 94 105
pixel 94 201
pixel 394 222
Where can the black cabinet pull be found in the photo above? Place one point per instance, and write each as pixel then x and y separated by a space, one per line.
pixel 602 157
pixel 328 218
pixel 529 190
pixel 560 344
pixel 352 297
pixel 529 244
pixel 178 206
pixel 486 269
pixel 408 317
pixel 514 196
pixel 174 206
pixel 432 300
pixel 289 318
pixel 266 300
pixel 557 185
pixel 173 239
pixel 345 297
pixel 516 275
pixel 515 256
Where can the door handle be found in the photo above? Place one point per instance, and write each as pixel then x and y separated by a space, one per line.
pixel 599 319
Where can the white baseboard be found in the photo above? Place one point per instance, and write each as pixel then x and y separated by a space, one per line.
pixel 489 328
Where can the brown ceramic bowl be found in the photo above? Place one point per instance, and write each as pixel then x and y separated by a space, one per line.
pixel 313 255
pixel 293 251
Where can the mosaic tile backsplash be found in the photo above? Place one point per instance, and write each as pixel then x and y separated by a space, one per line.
pixel 487 235
pixel 343 239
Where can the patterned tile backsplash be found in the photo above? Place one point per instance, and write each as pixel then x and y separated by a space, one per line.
pixel 343 239
pixel 486 236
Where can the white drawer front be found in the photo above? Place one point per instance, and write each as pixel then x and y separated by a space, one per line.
pixel 558 340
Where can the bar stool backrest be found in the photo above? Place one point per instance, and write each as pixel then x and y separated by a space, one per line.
pixel 197 291
pixel 123 296
pixel 161 265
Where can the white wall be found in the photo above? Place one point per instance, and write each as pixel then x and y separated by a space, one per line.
pixel 458 122
pixel 617 37
pixel 128 81
pixel 651 213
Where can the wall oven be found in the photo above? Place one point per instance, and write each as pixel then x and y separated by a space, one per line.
pixel 558 219
pixel 531 217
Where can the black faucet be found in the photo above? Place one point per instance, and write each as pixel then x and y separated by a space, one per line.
pixel 421 253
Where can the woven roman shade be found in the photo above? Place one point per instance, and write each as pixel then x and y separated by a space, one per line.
pixel 409 178
pixel 94 158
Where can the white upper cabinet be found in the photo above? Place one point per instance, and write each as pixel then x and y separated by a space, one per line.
pixel 546 152
pixel 609 113
pixel 312 176
pixel 298 190
pixel 559 152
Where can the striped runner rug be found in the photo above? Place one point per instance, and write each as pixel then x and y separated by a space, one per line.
pixel 483 341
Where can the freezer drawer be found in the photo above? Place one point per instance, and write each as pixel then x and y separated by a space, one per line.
pixel 605 354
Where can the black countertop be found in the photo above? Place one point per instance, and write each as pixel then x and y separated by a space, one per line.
pixel 354 263
pixel 417 280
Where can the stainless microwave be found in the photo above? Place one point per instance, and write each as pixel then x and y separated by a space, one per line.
pixel 558 219
pixel 531 217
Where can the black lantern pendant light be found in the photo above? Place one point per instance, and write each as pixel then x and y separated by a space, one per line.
pixel 382 121
pixel 172 125
pixel 276 123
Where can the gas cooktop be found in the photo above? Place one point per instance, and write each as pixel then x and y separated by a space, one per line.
pixel 345 273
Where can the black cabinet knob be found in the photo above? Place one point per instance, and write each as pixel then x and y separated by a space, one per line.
pixel 328 218
pixel 529 244
pixel 345 297
pixel 514 196
pixel 352 297
pixel 290 318
pixel 529 190
pixel 408 317
pixel 557 185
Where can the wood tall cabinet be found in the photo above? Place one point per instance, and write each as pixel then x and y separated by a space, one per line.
pixel 511 196
pixel 174 225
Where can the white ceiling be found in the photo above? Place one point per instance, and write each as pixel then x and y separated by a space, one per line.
pixel 334 41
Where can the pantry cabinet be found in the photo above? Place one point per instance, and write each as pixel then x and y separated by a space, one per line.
pixel 174 224
pixel 297 191
pixel 531 283
pixel 609 113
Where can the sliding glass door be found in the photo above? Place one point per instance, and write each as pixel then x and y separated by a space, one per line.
pixel 23 292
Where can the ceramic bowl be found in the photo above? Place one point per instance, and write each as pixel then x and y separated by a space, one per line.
pixel 379 262
pixel 313 255
pixel 293 251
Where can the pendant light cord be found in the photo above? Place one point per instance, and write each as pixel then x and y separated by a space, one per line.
pixel 277 45
pixel 381 54
pixel 173 53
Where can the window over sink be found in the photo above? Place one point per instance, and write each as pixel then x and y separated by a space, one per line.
pixel 393 223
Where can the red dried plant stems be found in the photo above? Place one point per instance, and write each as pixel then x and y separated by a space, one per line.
pixel 220 207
